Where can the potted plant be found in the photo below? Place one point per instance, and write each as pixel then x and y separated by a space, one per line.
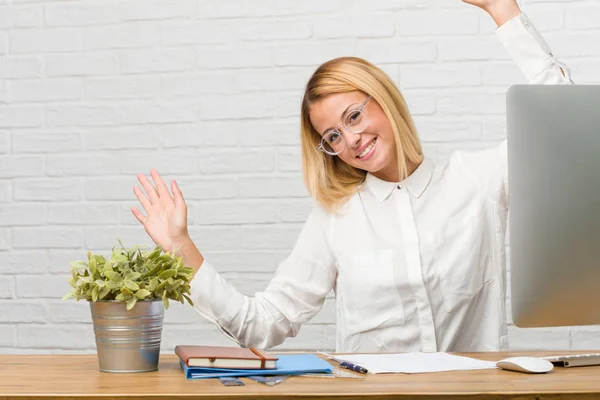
pixel 128 294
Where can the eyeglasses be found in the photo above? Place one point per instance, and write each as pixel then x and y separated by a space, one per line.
pixel 354 120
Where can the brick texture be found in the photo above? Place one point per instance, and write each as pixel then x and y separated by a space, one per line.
pixel 208 92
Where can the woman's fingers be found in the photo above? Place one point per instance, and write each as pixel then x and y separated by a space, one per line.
pixel 142 198
pixel 163 192
pixel 179 200
pixel 140 217
pixel 150 190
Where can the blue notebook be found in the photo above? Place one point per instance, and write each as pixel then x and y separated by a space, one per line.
pixel 288 364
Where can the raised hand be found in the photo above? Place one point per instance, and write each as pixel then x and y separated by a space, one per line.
pixel 484 4
pixel 500 10
pixel 166 219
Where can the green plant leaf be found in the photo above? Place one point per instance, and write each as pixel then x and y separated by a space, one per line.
pixel 173 285
pixel 121 243
pixel 120 258
pixel 108 266
pixel 165 258
pixel 112 285
pixel 69 294
pixel 93 265
pixel 165 300
pixel 155 253
pixel 129 275
pixel 185 289
pixel 154 269
pixel 142 293
pixel 133 276
pixel 78 264
pixel 184 271
pixel 80 281
pixel 167 274
pixel 177 296
pixel 189 299
pixel 162 286
pixel 131 285
pixel 113 276
pixel 131 302
pixel 103 293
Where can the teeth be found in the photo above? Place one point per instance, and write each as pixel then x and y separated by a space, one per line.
pixel 366 151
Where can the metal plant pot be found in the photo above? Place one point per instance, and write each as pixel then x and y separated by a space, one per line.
pixel 127 340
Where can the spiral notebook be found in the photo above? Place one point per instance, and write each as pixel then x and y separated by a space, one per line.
pixel 288 364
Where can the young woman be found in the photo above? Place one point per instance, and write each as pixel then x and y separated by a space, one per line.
pixel 414 251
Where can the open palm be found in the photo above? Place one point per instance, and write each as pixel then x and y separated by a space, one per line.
pixel 166 215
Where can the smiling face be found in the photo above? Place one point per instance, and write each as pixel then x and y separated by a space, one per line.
pixel 373 150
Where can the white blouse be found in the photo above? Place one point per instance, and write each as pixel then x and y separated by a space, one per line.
pixel 417 265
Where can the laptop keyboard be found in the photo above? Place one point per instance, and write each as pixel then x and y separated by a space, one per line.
pixel 575 359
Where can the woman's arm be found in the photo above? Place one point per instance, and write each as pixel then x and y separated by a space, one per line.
pixel 532 55
pixel 292 297
pixel 524 43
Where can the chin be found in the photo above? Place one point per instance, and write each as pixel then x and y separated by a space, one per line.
pixel 374 170
pixel 377 164
pixel 371 168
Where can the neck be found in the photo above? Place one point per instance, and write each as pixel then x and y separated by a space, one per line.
pixel 390 173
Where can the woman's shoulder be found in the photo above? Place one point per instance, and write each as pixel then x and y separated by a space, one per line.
pixel 344 206
pixel 319 214
pixel 477 161
pixel 481 169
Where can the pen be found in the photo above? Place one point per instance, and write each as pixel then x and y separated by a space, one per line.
pixel 353 367
pixel 345 364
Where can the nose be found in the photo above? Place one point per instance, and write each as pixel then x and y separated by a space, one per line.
pixel 351 138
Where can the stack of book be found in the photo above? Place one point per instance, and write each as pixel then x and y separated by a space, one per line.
pixel 200 362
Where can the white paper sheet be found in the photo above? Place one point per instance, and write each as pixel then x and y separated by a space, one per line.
pixel 416 362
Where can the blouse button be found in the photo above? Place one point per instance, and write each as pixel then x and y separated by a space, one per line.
pixel 399 187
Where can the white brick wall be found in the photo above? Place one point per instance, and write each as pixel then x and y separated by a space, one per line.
pixel 208 92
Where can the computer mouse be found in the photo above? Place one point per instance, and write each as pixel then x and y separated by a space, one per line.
pixel 532 365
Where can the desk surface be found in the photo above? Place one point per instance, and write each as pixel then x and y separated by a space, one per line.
pixel 77 377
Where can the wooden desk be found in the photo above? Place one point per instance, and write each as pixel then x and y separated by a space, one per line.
pixel 77 377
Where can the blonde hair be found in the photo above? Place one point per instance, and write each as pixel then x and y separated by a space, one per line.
pixel 328 179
